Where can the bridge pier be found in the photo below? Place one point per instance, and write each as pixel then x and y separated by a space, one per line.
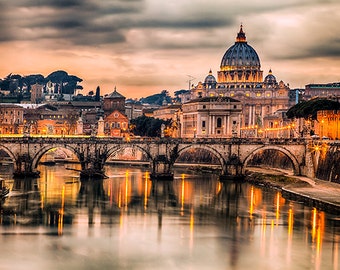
pixel 161 169
pixel 92 161
pixel 234 172
pixel 24 167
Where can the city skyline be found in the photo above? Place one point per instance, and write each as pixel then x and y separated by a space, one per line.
pixel 144 47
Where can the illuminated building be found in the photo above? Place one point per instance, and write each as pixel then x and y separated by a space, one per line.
pixel 240 77
pixel 11 118
pixel 45 119
pixel 116 124
pixel 210 117
pixel 328 124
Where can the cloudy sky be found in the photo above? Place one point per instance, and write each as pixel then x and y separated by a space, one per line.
pixel 145 46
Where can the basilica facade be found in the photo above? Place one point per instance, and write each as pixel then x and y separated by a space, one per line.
pixel 240 77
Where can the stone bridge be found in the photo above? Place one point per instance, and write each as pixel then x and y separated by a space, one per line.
pixel 93 152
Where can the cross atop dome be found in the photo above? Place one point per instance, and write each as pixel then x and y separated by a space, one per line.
pixel 241 36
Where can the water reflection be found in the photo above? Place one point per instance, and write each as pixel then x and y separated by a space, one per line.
pixel 194 221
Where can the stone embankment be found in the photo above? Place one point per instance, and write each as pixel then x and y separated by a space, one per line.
pixel 316 193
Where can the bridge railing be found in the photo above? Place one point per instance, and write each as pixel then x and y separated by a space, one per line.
pixel 19 138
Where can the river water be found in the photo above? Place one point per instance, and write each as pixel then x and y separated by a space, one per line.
pixel 129 222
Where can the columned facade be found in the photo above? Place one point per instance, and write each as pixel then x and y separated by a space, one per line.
pixel 240 77
pixel 211 117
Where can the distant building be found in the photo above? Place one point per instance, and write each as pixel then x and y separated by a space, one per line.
pixel 36 93
pixel 172 113
pixel 116 124
pixel 211 117
pixel 49 120
pixel 277 125
pixel 11 118
pixel 133 109
pixel 112 102
pixel 328 90
pixel 240 77
pixel 328 124
pixel 167 112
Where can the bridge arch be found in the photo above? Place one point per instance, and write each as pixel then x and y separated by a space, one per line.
pixel 118 147
pixel 44 149
pixel 9 153
pixel 210 149
pixel 287 153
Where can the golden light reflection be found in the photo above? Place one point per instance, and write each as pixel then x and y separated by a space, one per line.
pixel 318 226
pixel 146 190
pixel 61 212
pixel 126 188
pixel 290 235
pixel 277 213
pixel 314 223
pixel 219 187
pixel 290 222
pixel 182 194
pixel 192 223
pixel 120 197
pixel 252 202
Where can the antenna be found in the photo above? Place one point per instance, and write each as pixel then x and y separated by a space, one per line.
pixel 191 78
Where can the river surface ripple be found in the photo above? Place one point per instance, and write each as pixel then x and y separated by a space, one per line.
pixel 130 222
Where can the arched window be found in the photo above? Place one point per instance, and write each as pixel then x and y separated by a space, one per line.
pixel 219 122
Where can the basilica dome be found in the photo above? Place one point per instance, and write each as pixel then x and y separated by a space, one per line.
pixel 241 54
pixel 240 64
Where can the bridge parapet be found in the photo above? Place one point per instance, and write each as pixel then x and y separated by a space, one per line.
pixel 92 152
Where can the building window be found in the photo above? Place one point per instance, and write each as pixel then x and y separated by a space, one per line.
pixel 219 122
pixel 203 124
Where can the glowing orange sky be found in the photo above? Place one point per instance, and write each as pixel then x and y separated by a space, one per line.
pixel 145 46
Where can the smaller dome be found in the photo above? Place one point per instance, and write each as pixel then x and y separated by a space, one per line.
pixel 210 78
pixel 270 78
pixel 114 94
pixel 210 81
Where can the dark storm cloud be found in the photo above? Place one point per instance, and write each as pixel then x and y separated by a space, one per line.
pixel 192 23
pixel 89 22
pixel 329 49
pixel 79 22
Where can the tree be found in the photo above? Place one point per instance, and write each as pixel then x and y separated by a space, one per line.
pixel 147 126
pixel 309 109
